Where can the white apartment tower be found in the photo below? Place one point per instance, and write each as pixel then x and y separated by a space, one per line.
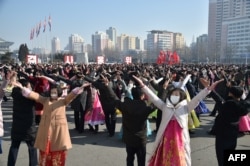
pixel 55 45
pixel 126 42
pixel 158 40
pixel 229 30
pixel 178 41
pixel 76 44
pixel 139 43
pixel 100 41
pixel 111 32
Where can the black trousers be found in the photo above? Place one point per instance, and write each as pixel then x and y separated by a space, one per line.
pixel 13 152
pixel 140 153
pixel 79 119
pixel 110 120
pixel 224 143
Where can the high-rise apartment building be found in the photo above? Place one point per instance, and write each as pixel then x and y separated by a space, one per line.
pixel 126 42
pixel 178 41
pixel 158 40
pixel 229 30
pixel 139 43
pixel 202 48
pixel 111 32
pixel 55 45
pixel 100 41
pixel 76 44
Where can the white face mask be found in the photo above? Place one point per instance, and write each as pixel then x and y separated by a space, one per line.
pixel 53 96
pixel 174 99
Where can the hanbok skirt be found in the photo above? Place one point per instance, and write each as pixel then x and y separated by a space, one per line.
pixel 96 115
pixel 201 108
pixel 193 121
pixel 49 158
pixel 244 125
pixel 171 151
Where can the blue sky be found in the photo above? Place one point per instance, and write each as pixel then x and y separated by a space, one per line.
pixel 85 17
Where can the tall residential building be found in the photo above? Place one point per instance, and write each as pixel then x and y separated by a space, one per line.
pixel 126 42
pixel 202 48
pixel 139 43
pixel 178 41
pixel 158 40
pixel 76 44
pixel 55 45
pixel 229 29
pixel 100 41
pixel 214 28
pixel 111 32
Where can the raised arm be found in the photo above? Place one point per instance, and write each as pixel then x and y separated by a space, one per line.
pixel 30 94
pixel 200 96
pixel 75 92
pixel 151 95
pixel 49 79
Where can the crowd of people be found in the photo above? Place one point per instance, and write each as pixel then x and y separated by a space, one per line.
pixel 96 92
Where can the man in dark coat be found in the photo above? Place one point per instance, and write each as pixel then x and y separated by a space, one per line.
pixel 134 121
pixel 23 125
pixel 227 123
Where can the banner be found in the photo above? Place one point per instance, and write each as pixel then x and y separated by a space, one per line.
pixel 68 59
pixel 31 59
pixel 100 59
pixel 128 59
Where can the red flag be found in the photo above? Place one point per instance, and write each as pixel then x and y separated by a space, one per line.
pixel 175 58
pixel 161 58
pixel 49 22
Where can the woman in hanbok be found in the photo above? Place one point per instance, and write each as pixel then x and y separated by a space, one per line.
pixel 244 124
pixel 172 143
pixel 95 115
pixel 179 82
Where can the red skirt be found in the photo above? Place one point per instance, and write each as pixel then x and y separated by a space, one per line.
pixel 170 151
pixel 48 158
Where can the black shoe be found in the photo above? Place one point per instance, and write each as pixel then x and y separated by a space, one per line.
pixel 210 132
pixel 91 129
pixel 191 132
pixel 111 134
pixel 5 99
pixel 212 114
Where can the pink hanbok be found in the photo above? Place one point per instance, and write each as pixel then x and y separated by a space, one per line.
pixel 96 115
pixel 244 125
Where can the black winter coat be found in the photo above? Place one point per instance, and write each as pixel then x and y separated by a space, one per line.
pixel 134 119
pixel 23 125
pixel 227 121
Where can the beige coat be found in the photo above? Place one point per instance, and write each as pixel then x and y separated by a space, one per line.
pixel 53 120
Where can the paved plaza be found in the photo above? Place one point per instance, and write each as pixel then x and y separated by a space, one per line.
pixel 91 149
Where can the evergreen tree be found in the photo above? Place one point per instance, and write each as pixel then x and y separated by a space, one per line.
pixel 23 51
